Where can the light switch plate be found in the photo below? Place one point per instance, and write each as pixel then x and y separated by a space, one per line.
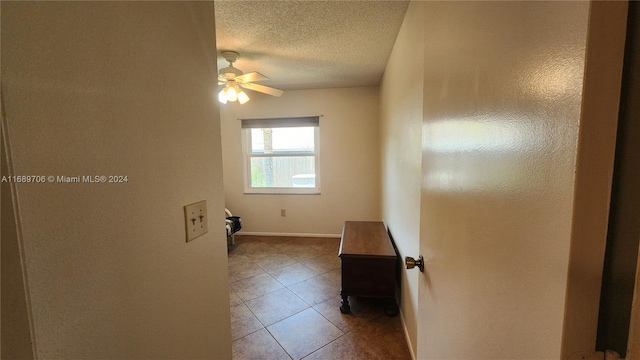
pixel 195 217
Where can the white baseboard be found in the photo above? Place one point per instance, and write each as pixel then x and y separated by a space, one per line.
pixel 406 336
pixel 287 234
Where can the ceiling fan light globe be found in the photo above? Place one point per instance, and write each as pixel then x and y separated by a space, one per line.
pixel 222 97
pixel 232 94
pixel 242 97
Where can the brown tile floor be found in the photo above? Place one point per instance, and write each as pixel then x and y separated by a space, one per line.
pixel 285 301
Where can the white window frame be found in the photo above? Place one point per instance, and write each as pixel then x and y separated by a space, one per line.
pixel 248 124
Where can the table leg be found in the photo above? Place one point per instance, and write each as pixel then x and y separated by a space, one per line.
pixel 344 304
pixel 392 310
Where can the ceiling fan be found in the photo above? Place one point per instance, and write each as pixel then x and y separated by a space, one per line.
pixel 233 79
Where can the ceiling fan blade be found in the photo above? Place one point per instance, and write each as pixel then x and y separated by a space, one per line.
pixel 263 89
pixel 251 77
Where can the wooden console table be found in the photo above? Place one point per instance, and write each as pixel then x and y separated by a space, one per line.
pixel 369 263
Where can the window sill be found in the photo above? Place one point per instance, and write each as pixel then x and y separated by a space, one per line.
pixel 280 192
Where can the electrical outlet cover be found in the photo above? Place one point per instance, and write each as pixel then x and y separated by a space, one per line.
pixel 196 221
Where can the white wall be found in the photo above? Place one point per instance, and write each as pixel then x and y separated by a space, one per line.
pixel 118 88
pixel 401 122
pixel 349 162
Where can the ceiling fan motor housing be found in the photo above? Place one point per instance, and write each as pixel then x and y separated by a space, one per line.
pixel 230 72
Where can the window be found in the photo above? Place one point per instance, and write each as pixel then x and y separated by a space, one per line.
pixel 281 155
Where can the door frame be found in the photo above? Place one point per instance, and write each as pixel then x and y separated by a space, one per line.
pixel 594 173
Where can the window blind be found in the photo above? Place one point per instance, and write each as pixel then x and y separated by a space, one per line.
pixel 280 122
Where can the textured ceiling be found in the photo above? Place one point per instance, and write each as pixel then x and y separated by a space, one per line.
pixel 310 44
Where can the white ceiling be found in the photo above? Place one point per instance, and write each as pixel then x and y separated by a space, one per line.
pixel 310 44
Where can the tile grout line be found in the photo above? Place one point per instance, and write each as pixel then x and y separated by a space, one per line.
pixel 278 342
pixel 288 287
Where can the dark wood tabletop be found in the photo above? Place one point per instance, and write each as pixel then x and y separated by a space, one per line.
pixel 367 238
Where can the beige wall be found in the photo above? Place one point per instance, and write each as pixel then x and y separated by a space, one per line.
pixel 502 108
pixel 118 88
pixel 348 162
pixel 400 123
pixel 15 330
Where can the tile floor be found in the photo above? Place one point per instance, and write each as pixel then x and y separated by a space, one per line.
pixel 285 301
